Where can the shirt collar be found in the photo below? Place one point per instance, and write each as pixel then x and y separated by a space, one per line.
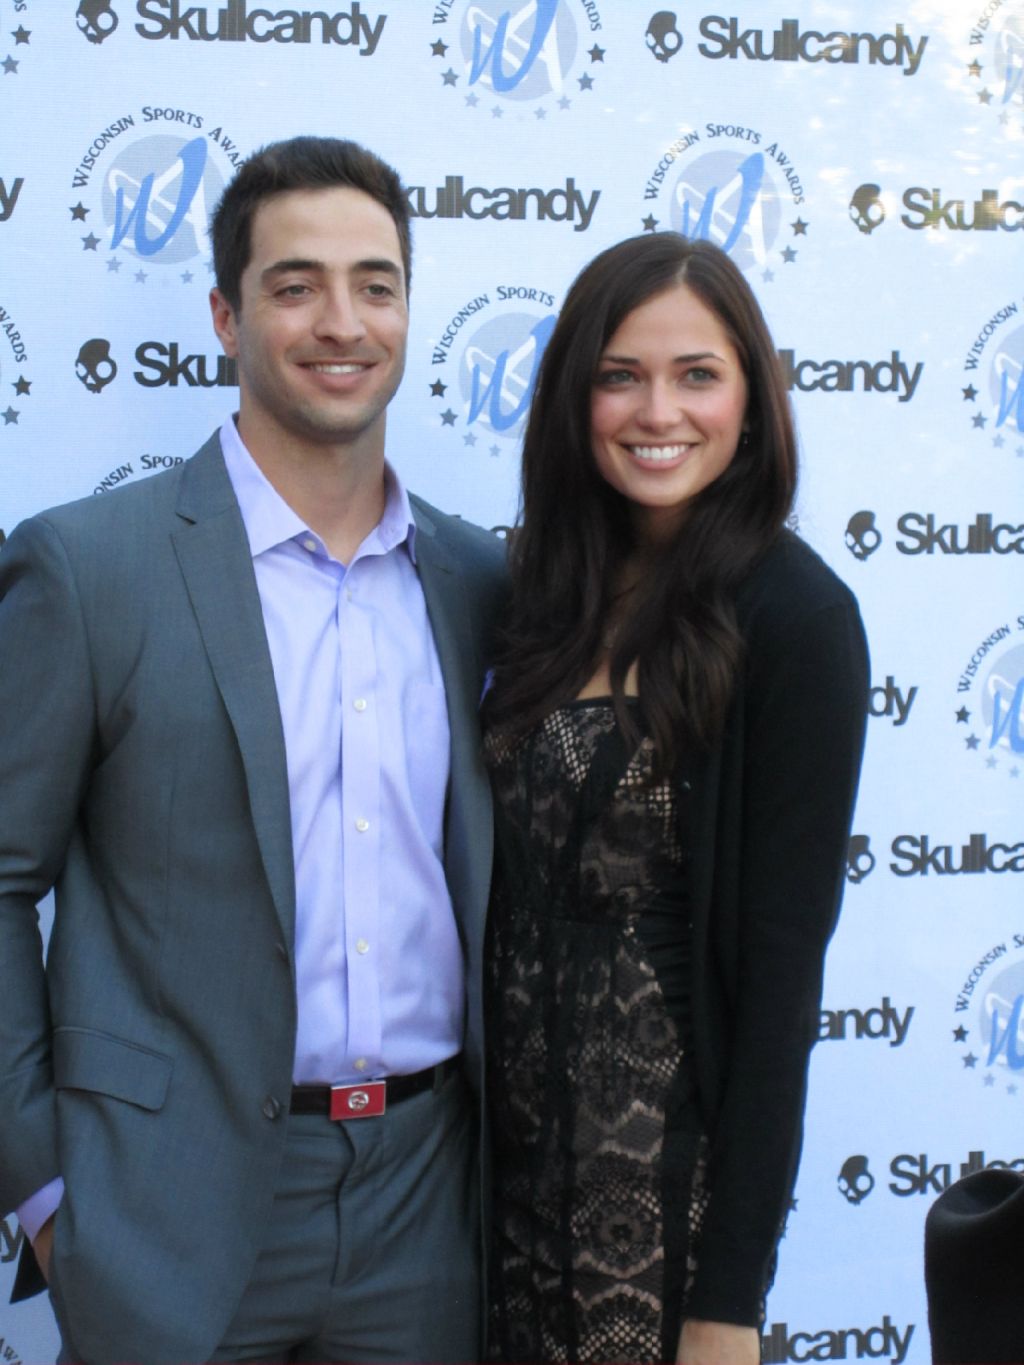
pixel 269 520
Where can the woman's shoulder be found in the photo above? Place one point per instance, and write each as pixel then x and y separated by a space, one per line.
pixel 789 583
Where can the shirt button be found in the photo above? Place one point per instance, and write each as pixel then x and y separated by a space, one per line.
pixel 360 1064
pixel 271 1108
pixel 309 543
pixel 362 825
pixel 362 946
pixel 360 703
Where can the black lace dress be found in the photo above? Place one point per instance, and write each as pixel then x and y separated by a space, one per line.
pixel 600 1162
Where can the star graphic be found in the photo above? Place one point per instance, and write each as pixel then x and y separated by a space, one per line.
pixel 10 66
pixel 960 1034
pixel 970 1061
pixel 141 277
pixel 90 243
pixel 970 393
pixel 438 49
pixel 990 762
pixel 974 68
pixel 768 276
pixel 998 442
pixel 788 254
pixel 449 77
pixel 596 54
pixel 78 212
pixel 21 35
pixel 469 439
pixel 437 389
pixel 586 82
pixel 472 100
pixel 972 742
pixel 1011 1090
pixel 650 223
pixel 497 111
pixel 113 264
pixel 10 417
pixel 187 277
pixel 963 716
pixel 540 113
pixel 985 96
pixel 799 228
pixel 21 385
pixel 978 420
pixel 792 1205
pixel 564 102
pixel 989 1078
pixel 495 451
pixel 448 418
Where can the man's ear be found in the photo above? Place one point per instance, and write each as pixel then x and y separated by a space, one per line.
pixel 224 323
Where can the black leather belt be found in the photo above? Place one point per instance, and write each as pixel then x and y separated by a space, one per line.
pixel 367 1099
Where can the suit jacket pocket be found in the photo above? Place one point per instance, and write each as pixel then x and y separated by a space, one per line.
pixel 85 1059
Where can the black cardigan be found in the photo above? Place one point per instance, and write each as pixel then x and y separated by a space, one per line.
pixel 770 812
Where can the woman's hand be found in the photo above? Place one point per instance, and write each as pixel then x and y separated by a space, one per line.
pixel 717 1343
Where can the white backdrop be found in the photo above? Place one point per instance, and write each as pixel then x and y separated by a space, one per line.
pixel 863 164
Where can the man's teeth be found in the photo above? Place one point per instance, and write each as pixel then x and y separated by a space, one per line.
pixel 658 452
pixel 335 367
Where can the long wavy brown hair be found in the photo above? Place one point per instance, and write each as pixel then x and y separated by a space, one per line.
pixel 575 532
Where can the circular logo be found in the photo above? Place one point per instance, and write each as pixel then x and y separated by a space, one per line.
pixel 15 384
pixel 994 391
pixel 490 352
pixel 994 63
pixel 989 714
pixel 513 55
pixel 146 187
pixel 988 1033
pixel 729 185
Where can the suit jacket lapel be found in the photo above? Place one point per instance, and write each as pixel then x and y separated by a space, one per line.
pixel 215 559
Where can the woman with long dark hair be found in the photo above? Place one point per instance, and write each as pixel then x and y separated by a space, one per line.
pixel 674 735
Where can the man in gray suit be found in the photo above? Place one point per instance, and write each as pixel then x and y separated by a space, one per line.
pixel 238 734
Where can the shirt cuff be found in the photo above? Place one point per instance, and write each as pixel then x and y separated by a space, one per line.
pixel 39 1207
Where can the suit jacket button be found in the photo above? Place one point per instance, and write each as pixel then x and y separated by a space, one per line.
pixel 271 1108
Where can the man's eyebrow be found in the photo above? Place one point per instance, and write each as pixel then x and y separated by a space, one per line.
pixel 373 265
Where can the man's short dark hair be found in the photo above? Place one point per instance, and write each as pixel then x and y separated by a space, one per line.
pixel 300 163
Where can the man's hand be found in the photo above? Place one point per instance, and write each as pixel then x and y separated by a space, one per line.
pixel 43 1245
pixel 717 1343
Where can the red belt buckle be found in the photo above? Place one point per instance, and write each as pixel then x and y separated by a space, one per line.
pixel 363 1101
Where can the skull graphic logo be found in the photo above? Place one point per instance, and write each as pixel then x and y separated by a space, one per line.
pixel 860 861
pixel 866 207
pixel 862 535
pixel 855 1180
pixel 96 19
pixel 95 365
pixel 662 36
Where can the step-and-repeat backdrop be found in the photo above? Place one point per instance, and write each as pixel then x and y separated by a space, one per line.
pixel 863 165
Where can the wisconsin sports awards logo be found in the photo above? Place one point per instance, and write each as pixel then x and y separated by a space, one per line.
pixel 994 62
pixel 15 384
pixel 733 186
pixel 989 705
pixel 987 1030
pixel 17 40
pixel 994 389
pixel 536 58
pixel 145 188
pixel 485 366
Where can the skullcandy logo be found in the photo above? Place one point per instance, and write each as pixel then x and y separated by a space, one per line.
pixel 866 207
pixel 95 366
pixel 862 535
pixel 860 861
pixel 663 38
pixel 855 1181
pixel 781 1343
pixel 96 20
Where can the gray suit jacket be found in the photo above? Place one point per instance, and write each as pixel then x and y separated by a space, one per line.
pixel 142 772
